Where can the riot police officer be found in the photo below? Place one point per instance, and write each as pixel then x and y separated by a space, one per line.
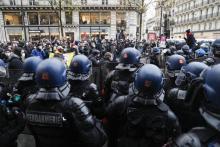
pixel 26 84
pixel 56 119
pixel 188 73
pixel 207 135
pixel 155 56
pixel 216 50
pixel 142 119
pixel 11 118
pixel 118 81
pixel 187 53
pixel 209 61
pixel 183 100
pixel 81 87
pixel 173 67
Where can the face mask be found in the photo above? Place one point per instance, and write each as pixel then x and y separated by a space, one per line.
pixel 22 55
pixel 8 54
pixel 40 47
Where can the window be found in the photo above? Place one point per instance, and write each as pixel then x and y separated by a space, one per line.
pixel 33 2
pixel 105 2
pixel 68 2
pixel 95 18
pixel 121 20
pixel 12 2
pixel 44 19
pixel 54 19
pixel 69 17
pixel 84 18
pixel 12 19
pixel 33 18
pixel 84 2
pixel 105 18
pixel 53 2
pixel 210 26
pixel 122 2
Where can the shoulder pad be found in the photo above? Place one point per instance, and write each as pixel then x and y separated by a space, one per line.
pixel 172 94
pixel 204 134
pixel 162 106
pixel 93 86
pixel 188 139
pixel 30 99
pixel 172 117
pixel 111 74
pixel 118 105
pixel 80 112
pixel 74 103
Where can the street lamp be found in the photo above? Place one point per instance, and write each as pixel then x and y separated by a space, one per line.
pixel 161 15
pixel 22 15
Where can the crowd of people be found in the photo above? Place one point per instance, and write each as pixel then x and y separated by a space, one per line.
pixel 140 96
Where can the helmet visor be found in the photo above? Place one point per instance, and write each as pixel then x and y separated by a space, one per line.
pixel 3 72
pixel 81 77
pixel 173 74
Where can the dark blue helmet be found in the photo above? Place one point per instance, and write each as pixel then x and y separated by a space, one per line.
pixel 149 80
pixel 190 72
pixel 156 50
pixel 30 67
pixel 209 61
pixel 185 49
pixel 51 73
pixel 200 53
pixel 2 63
pixel 80 68
pixel 205 47
pixel 174 65
pixel 180 52
pixel 30 64
pixel 211 109
pixel 216 47
pixel 129 58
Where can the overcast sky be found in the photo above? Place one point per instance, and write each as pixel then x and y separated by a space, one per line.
pixel 151 11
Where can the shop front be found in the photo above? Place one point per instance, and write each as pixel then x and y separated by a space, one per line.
pixel 37 33
pixel 14 33
pixel 92 32
pixel 94 24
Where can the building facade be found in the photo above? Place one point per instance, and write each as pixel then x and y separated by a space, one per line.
pixel 32 20
pixel 164 17
pixel 201 16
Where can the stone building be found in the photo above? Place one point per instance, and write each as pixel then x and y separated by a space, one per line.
pixel 32 20
pixel 201 16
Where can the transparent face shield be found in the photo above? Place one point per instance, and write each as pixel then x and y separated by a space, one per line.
pixel 81 77
pixel 3 72
pixel 173 73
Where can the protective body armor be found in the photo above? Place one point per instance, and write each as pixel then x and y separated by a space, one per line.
pixel 199 137
pixel 57 120
pixel 185 104
pixel 118 83
pixel 88 92
pixel 25 88
pixel 141 122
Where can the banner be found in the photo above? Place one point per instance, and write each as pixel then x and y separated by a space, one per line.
pixel 67 57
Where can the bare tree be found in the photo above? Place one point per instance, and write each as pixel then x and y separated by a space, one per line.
pixel 142 7
pixel 57 6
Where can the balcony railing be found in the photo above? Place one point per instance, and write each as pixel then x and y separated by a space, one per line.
pixel 196 6
pixel 200 18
